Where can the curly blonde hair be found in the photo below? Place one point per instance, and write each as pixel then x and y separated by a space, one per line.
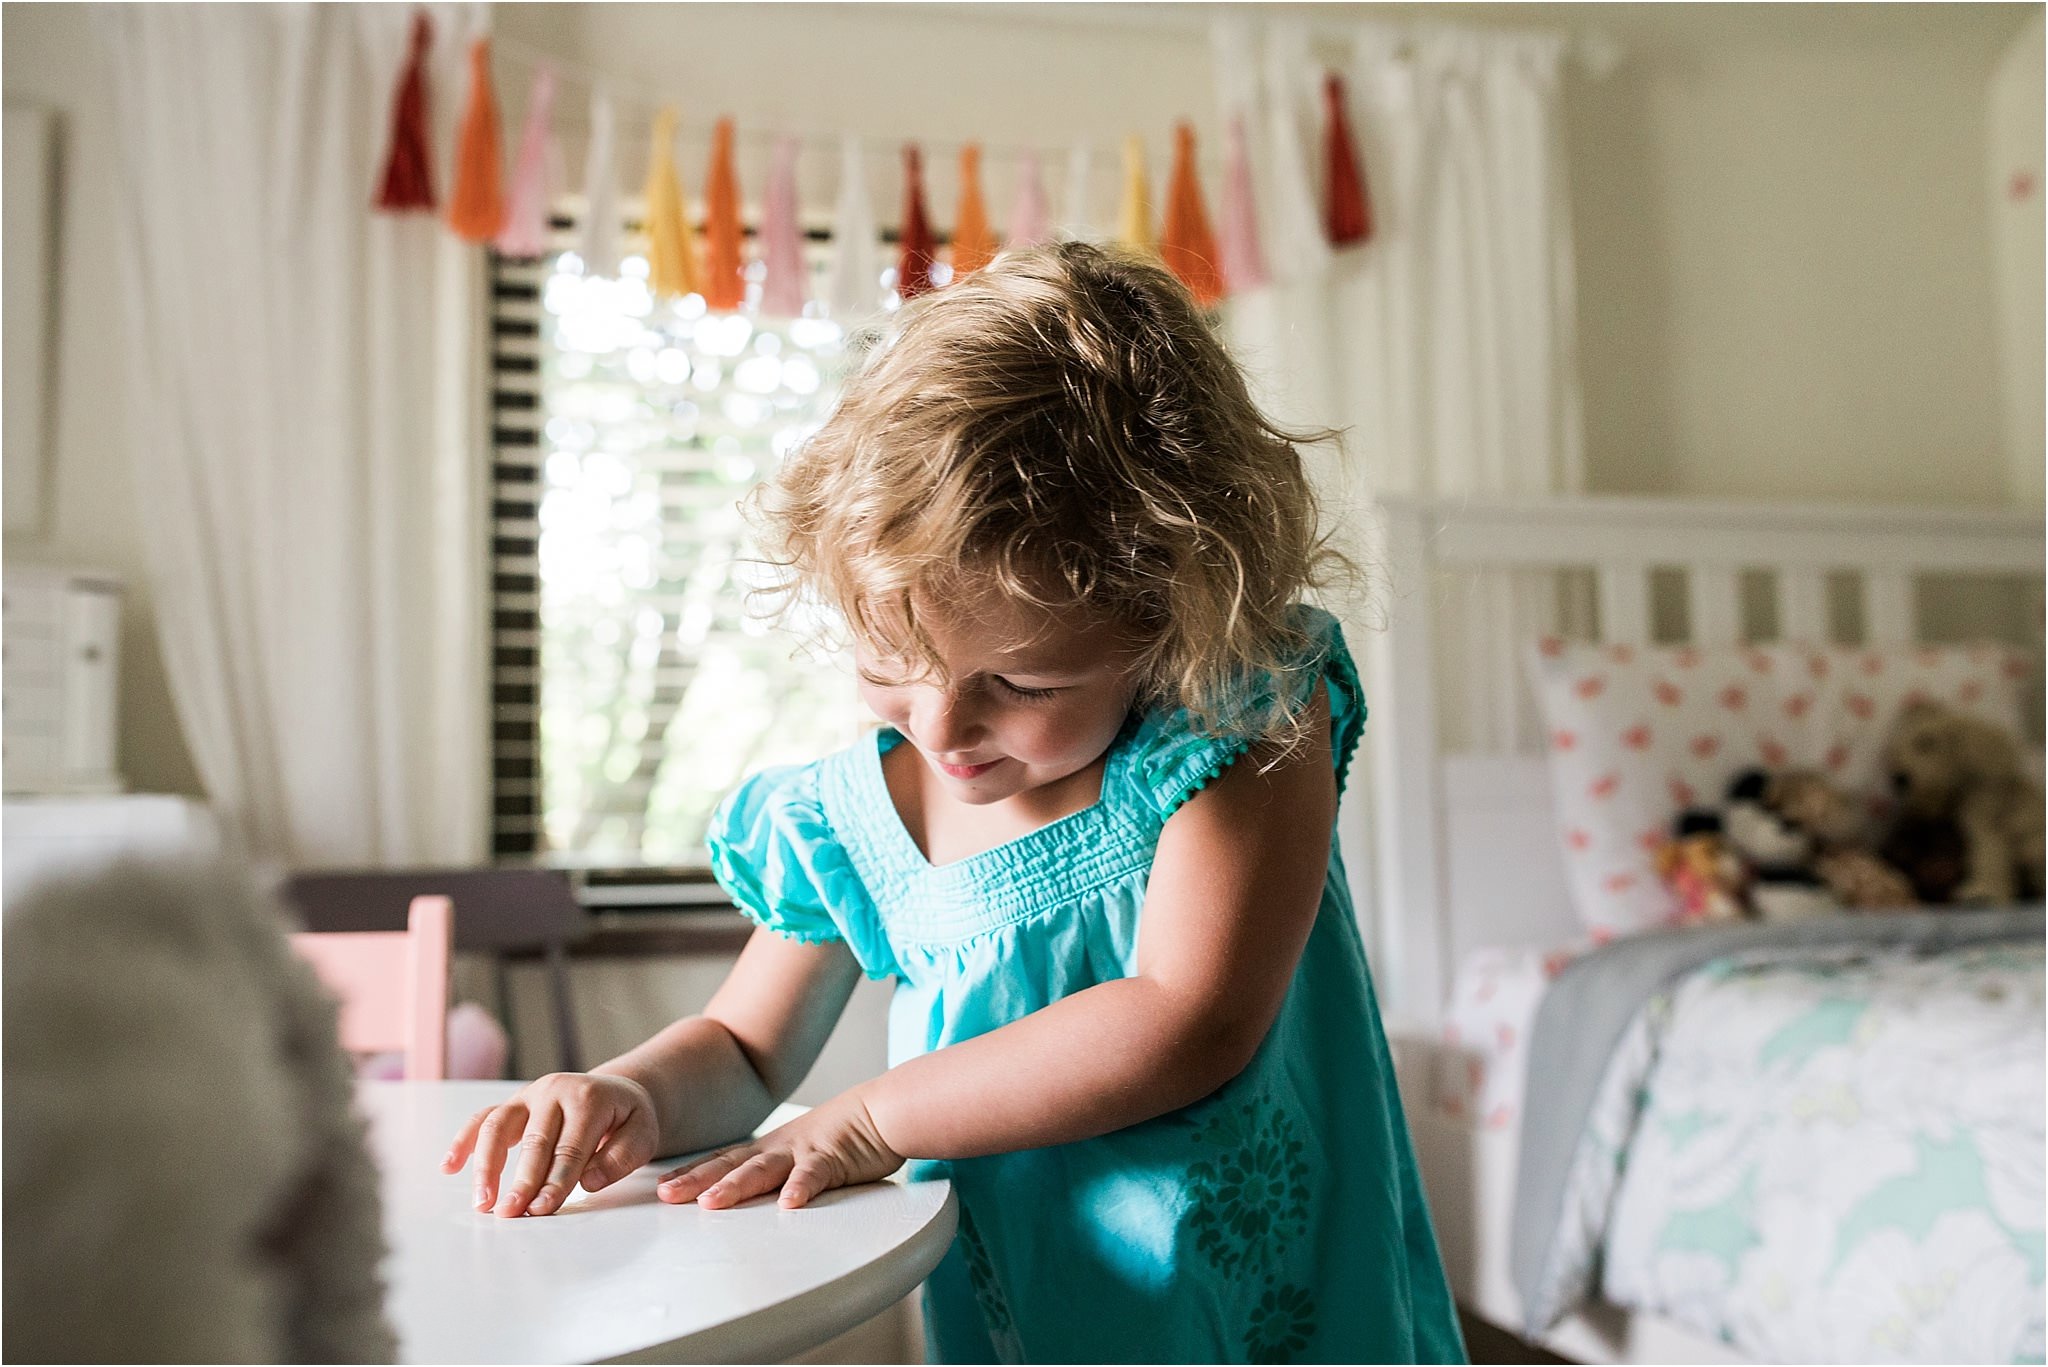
pixel 1064 426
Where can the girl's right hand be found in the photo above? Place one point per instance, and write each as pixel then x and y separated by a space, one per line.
pixel 592 1127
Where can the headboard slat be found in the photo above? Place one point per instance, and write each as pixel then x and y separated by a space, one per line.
pixel 1803 606
pixel 1624 589
pixel 1714 600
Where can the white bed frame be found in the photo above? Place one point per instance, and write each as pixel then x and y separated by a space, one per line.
pixel 1460 842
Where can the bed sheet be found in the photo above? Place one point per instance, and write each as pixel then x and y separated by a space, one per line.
pixel 1479 1075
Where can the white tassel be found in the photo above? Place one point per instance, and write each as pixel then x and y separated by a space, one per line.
pixel 853 289
pixel 1075 224
pixel 601 227
pixel 1297 247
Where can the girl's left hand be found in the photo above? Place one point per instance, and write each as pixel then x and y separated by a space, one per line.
pixel 833 1145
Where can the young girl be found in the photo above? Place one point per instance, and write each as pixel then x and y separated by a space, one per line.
pixel 1093 847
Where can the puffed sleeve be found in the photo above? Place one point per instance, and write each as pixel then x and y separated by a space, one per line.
pixel 774 850
pixel 1175 759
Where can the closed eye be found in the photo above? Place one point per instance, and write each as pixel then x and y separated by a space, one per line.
pixel 1019 691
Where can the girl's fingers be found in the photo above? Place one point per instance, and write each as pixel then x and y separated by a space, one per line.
pixel 499 1133
pixel 761 1173
pixel 805 1181
pixel 536 1152
pixel 465 1140
pixel 581 1131
pixel 683 1184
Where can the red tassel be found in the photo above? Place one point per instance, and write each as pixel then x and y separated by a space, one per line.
pixel 408 181
pixel 724 287
pixel 1347 211
pixel 1186 243
pixel 914 268
pixel 476 209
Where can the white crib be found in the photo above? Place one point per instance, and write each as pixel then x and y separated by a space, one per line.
pixel 1455 821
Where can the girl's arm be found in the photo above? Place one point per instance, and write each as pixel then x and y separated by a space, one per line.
pixel 702 1081
pixel 1235 886
pixel 719 1074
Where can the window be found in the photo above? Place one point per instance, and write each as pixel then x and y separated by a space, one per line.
pixel 632 684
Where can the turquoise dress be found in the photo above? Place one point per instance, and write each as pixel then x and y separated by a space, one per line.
pixel 1280 1219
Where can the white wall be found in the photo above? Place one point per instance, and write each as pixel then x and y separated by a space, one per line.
pixel 2017 192
pixel 1784 261
pixel 52 59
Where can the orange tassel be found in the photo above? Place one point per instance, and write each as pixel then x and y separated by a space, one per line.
pixel 476 211
pixel 408 181
pixel 1186 244
pixel 974 246
pixel 724 286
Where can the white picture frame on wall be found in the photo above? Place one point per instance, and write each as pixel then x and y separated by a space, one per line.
pixel 24 411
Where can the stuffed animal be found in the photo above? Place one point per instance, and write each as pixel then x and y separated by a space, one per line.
pixel 1702 872
pixel 1948 766
pixel 1807 802
pixel 1931 854
pixel 1783 885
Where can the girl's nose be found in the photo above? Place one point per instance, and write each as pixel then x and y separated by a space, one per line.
pixel 947 723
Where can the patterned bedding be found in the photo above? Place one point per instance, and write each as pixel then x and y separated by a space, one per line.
pixel 1831 1152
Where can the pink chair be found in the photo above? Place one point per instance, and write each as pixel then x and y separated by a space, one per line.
pixel 393 984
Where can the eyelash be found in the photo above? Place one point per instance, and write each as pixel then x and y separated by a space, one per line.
pixel 1017 691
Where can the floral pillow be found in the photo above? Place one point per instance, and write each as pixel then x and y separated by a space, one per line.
pixel 1637 734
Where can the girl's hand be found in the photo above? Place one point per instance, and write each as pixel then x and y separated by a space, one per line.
pixel 834 1145
pixel 592 1127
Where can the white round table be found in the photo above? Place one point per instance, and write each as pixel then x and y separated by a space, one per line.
pixel 619 1275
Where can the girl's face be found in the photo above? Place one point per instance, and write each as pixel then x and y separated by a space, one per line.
pixel 1006 718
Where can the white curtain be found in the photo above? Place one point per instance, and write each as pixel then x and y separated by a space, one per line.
pixel 1444 348
pixel 310 418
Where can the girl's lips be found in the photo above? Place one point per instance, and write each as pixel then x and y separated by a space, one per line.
pixel 965 770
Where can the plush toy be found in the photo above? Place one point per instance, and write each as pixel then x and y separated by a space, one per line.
pixel 1948 766
pixel 1931 854
pixel 1857 876
pixel 1702 872
pixel 1783 885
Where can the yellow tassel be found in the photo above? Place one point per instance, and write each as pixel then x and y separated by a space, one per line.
pixel 1134 217
pixel 671 265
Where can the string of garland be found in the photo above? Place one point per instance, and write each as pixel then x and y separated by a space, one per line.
pixel 482 208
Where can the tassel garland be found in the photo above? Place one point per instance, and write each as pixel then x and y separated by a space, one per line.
pixel 914 269
pixel 782 240
pixel 525 234
pixel 974 245
pixel 1348 214
pixel 1186 244
pixel 671 265
pixel 512 211
pixel 408 180
pixel 725 288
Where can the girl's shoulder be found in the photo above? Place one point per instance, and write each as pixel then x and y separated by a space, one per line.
pixel 1169 757
pixel 775 850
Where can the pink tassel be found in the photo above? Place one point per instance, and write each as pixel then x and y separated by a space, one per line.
pixel 786 288
pixel 525 234
pixel 1030 219
pixel 1244 260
